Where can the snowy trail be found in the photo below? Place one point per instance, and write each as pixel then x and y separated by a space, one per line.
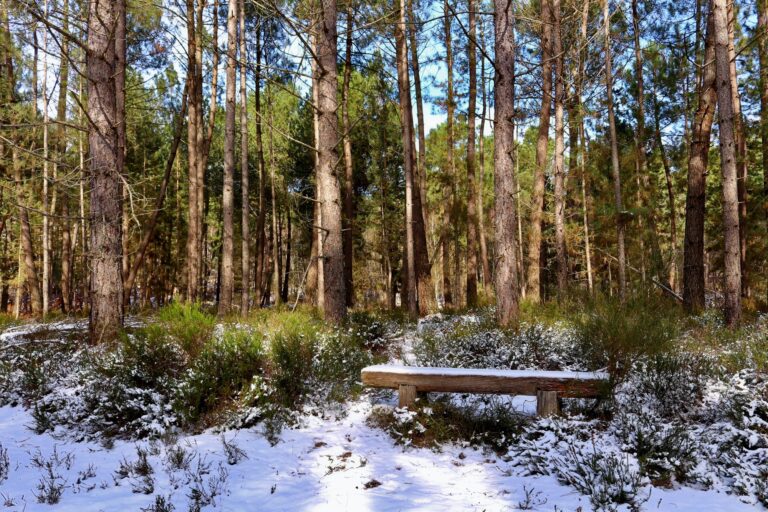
pixel 323 466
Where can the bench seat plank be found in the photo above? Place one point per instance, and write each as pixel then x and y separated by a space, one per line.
pixel 464 380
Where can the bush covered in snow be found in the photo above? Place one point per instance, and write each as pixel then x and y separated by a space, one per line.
pixel 178 371
pixel 689 404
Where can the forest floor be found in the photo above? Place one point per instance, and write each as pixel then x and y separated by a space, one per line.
pixel 364 454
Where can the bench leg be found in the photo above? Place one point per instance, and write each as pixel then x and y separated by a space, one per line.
pixel 547 403
pixel 407 395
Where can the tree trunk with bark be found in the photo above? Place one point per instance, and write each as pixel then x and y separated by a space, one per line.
pixel 348 225
pixel 406 124
pixel 106 316
pixel 694 277
pixel 227 200
pixel 507 300
pixel 472 223
pixel 245 192
pixel 334 291
pixel 61 149
pixel 728 165
pixel 615 170
pixel 762 28
pixel 533 283
pixel 450 171
pixel 560 247
pixel 487 285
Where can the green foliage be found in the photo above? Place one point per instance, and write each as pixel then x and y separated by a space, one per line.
pixel 292 351
pixel 127 386
pixel 186 324
pixel 225 366
pixel 614 334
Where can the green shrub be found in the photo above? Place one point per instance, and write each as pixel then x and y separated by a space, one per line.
pixel 187 324
pixel 128 387
pixel 224 367
pixel 339 359
pixel 614 334
pixel 292 353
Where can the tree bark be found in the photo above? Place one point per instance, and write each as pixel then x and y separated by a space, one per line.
pixel 406 125
pixel 25 236
pixel 61 117
pixel 245 193
pixel 695 204
pixel 334 291
pixel 728 165
pixel 762 47
pixel 348 225
pixel 481 185
pixel 618 205
pixel 560 248
pixel 106 315
pixel 646 190
pixel 449 195
pixel 227 201
pixel 421 172
pixel 46 284
pixel 507 301
pixel 741 152
pixel 261 216
pixel 194 137
pixel 472 222
pixel 533 283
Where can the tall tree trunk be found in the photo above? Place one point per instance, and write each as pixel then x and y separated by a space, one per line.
pixel 728 165
pixel 472 223
pixel 618 205
pixel 334 291
pixel 26 246
pixel 245 193
pixel 421 172
pixel 560 248
pixel 194 149
pixel 582 150
pixel 287 269
pixel 449 196
pixel 741 151
pixel 227 200
pixel 261 217
pixel 61 117
pixel 348 225
pixel 274 284
pixel 762 28
pixel 46 284
pixel 695 204
pixel 120 62
pixel 507 308
pixel 533 283
pixel 406 123
pixel 106 316
pixel 646 190
pixel 481 185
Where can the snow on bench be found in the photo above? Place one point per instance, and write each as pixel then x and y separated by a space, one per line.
pixel 548 387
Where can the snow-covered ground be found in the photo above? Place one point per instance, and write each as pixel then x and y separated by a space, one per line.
pixel 332 465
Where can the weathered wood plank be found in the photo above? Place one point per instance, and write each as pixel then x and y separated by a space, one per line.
pixel 512 382
pixel 547 403
pixel 406 395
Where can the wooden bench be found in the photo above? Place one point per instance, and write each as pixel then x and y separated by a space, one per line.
pixel 548 387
